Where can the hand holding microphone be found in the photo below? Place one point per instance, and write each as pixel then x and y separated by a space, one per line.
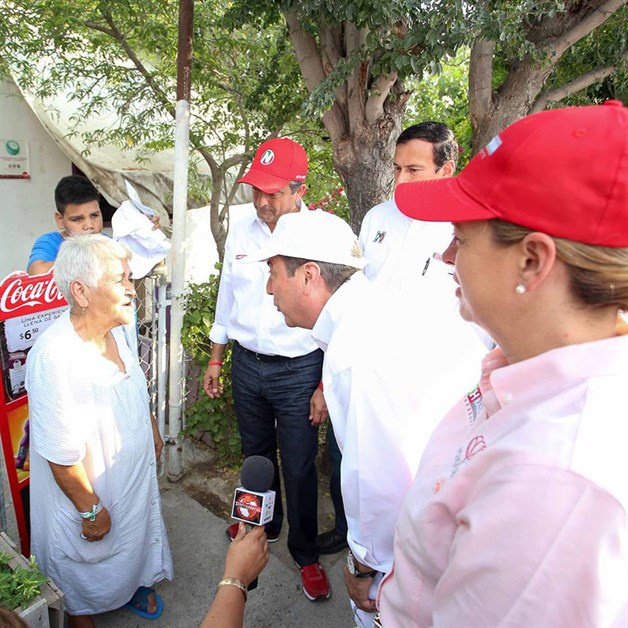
pixel 254 502
pixel 247 555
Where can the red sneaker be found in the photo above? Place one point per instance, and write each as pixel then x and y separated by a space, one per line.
pixel 232 532
pixel 315 583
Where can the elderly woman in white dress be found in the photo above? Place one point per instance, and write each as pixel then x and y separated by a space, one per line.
pixel 96 521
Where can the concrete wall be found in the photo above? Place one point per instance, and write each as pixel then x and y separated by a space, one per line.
pixel 26 206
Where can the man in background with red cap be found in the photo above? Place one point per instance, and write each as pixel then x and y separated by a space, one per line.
pixel 275 369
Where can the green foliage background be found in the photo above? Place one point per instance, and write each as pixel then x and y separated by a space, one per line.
pixel 214 416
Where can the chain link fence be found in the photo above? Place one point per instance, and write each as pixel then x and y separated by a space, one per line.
pixel 153 327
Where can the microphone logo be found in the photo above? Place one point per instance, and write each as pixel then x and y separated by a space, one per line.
pixel 248 507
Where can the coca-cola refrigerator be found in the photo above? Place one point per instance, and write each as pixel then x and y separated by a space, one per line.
pixel 28 305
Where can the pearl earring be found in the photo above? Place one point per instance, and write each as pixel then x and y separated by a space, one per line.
pixel 520 289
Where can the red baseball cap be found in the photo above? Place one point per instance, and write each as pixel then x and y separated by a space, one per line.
pixel 277 162
pixel 562 172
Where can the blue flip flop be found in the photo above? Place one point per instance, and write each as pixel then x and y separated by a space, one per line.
pixel 140 597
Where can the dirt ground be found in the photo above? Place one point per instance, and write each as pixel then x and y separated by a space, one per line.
pixel 212 485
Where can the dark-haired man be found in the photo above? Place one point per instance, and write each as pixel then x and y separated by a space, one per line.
pixel 381 416
pixel 399 251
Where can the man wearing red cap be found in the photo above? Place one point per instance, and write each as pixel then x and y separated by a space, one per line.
pixel 276 369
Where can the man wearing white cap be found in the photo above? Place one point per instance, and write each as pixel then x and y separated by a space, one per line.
pixel 275 370
pixel 381 394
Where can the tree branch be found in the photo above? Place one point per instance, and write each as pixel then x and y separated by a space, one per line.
pixel 308 56
pixel 557 46
pixel 358 82
pixel 141 68
pixel 572 87
pixel 157 91
pixel 309 60
pixel 374 108
pixel 480 80
pixel 331 54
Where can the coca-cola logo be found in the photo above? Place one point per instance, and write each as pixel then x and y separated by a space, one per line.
pixel 24 291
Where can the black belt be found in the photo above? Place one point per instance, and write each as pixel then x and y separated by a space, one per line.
pixel 263 357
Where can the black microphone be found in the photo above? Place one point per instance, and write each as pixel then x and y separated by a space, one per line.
pixel 254 502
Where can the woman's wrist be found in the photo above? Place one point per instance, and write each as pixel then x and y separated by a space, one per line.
pixel 232 581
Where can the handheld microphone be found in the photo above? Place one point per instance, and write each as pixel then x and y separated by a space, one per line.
pixel 254 502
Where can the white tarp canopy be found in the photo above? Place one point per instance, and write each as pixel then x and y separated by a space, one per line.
pixel 108 166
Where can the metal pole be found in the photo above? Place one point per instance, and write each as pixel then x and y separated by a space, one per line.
pixel 181 154
pixel 160 306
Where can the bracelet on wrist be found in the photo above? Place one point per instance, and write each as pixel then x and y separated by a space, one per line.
pixel 91 514
pixel 215 363
pixel 320 386
pixel 234 582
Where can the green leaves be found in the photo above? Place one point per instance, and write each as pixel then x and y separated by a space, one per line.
pixel 19 586
pixel 215 417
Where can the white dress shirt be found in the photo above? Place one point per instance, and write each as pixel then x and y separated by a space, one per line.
pixel 244 311
pixel 401 251
pixel 404 256
pixel 388 376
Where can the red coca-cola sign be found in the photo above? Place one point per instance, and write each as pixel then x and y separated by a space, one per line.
pixel 22 294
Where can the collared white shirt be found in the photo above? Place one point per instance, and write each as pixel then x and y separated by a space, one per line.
pixel 404 256
pixel 518 513
pixel 388 375
pixel 400 251
pixel 244 311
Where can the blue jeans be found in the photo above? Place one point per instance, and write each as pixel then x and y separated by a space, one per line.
pixel 272 405
pixel 335 458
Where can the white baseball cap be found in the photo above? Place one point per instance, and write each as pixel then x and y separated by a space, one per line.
pixel 312 235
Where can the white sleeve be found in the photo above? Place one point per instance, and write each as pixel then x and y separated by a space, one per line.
pixel 224 303
pixel 58 409
pixel 380 452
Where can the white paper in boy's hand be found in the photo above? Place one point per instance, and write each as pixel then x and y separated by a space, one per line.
pixel 134 197
pixel 134 230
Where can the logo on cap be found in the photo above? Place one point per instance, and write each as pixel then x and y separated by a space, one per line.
pixel 267 158
pixel 492 146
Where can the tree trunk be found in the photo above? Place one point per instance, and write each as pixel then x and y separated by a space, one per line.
pixel 365 119
pixel 526 78
pixel 513 101
pixel 364 161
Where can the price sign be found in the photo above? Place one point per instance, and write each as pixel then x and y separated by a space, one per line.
pixel 21 332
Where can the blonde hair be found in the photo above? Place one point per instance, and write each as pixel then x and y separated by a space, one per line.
pixel 598 274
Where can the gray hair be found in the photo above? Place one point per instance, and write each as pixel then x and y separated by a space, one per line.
pixel 294 186
pixel 334 275
pixel 84 258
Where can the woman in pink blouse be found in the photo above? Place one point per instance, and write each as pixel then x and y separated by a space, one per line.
pixel 518 512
